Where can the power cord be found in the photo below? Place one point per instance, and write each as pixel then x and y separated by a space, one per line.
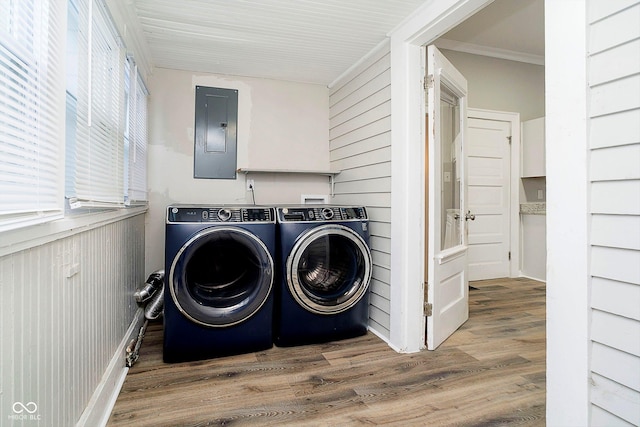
pixel 253 193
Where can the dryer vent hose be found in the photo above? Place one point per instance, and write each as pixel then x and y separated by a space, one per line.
pixel 133 349
pixel 155 307
pixel 151 286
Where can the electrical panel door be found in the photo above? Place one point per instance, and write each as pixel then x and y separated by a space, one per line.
pixel 216 127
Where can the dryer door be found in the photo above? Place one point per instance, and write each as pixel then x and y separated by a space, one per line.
pixel 329 269
pixel 221 276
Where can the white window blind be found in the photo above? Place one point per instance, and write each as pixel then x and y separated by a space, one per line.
pixel 31 111
pixel 97 152
pixel 135 137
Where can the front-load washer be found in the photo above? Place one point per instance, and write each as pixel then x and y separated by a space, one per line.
pixel 322 291
pixel 219 271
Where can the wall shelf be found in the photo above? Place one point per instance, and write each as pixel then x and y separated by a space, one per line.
pixel 330 174
pixel 291 171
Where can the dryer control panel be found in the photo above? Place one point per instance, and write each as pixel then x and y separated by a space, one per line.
pixel 321 213
pixel 199 214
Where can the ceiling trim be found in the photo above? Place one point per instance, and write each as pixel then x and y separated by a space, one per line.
pixel 490 51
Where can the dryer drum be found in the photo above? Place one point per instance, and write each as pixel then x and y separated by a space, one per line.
pixel 221 276
pixel 329 269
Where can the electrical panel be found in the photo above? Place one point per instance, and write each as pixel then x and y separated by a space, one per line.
pixel 216 128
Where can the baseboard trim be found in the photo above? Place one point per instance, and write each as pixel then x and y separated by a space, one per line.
pixel 104 397
pixel 385 339
pixel 524 276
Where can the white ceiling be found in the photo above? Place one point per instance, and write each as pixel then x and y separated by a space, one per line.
pixel 312 41
pixel 510 29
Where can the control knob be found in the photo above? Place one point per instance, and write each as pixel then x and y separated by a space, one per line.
pixel 224 214
pixel 327 213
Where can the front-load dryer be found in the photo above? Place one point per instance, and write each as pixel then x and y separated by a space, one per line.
pixel 219 267
pixel 325 271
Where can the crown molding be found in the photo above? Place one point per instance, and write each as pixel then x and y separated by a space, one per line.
pixel 493 52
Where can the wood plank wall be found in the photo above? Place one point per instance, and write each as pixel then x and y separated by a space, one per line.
pixel 614 130
pixel 65 308
pixel 360 147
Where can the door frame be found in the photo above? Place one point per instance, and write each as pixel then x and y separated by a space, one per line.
pixel 514 179
pixel 407 151
pixel 566 140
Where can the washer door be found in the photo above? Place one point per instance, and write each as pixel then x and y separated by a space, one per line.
pixel 221 276
pixel 329 269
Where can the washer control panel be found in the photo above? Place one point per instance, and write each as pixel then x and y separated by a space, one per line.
pixel 321 213
pixel 219 214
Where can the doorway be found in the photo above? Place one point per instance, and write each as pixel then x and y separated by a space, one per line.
pixel 407 167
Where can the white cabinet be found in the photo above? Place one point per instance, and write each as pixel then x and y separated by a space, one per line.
pixel 534 246
pixel 533 253
pixel 533 156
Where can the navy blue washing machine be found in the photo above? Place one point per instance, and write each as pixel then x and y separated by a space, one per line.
pixel 322 291
pixel 219 266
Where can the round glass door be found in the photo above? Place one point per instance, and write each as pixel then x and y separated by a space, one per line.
pixel 329 269
pixel 221 276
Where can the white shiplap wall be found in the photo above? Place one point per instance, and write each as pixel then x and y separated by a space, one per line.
pixel 360 147
pixel 614 169
pixel 65 308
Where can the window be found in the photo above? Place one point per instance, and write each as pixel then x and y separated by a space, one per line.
pixel 93 152
pixel 95 147
pixel 106 145
pixel 135 136
pixel 31 112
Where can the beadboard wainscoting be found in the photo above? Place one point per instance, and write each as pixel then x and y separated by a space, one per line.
pixel 67 307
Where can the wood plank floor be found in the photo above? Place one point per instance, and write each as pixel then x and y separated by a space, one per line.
pixel 491 372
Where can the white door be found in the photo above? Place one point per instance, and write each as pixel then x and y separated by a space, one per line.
pixel 488 190
pixel 447 305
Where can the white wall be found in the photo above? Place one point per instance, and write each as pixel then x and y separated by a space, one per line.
pixel 281 125
pixel 361 148
pixel 614 207
pixel 501 85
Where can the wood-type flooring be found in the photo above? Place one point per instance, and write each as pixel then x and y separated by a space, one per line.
pixel 491 372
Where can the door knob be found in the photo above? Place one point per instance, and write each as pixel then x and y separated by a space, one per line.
pixel 469 216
